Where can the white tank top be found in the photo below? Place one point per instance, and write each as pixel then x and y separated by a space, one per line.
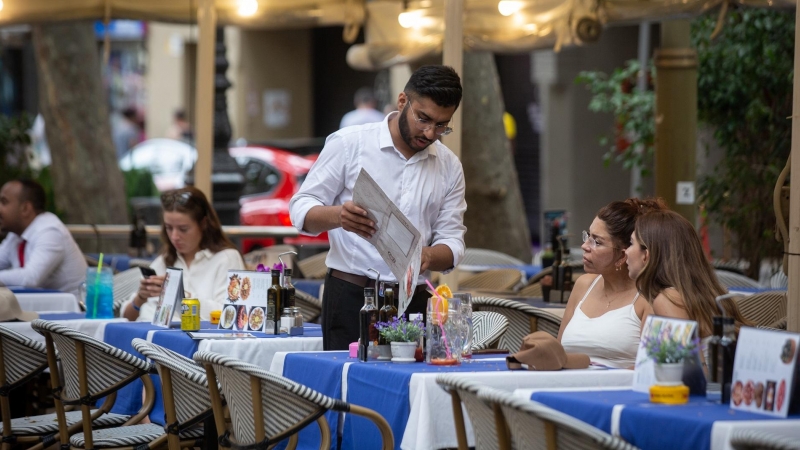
pixel 611 339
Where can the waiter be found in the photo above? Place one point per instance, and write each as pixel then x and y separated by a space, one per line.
pixel 417 172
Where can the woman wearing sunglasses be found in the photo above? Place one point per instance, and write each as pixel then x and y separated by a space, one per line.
pixel 604 314
pixel 192 240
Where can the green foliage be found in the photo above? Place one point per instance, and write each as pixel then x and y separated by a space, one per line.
pixel 14 138
pixel 745 95
pixel 633 110
pixel 139 183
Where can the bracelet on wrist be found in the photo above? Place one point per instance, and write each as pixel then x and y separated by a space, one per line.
pixel 135 308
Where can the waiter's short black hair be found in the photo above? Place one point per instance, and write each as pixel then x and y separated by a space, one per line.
pixel 32 192
pixel 439 83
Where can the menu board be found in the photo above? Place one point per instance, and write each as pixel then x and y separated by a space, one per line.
pixel 644 370
pixel 763 371
pixel 170 299
pixel 245 302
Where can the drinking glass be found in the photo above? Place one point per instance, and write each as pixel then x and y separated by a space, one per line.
pixel 444 341
pixel 466 322
pixel 99 298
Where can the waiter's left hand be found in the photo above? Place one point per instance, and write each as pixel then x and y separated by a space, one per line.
pixel 425 260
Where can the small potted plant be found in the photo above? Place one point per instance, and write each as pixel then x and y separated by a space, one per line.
pixel 669 352
pixel 403 337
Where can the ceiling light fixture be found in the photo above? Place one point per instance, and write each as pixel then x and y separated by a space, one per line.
pixel 509 7
pixel 248 8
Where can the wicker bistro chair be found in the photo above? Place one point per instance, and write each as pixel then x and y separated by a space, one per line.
pixel 732 279
pixel 491 280
pixel 22 359
pixel 761 440
pixel 314 266
pixel 126 283
pixel 266 408
pixel 93 370
pixel 536 426
pixel 310 306
pixel 185 391
pixel 461 389
pixel 522 320
pixel 487 328
pixel 765 308
pixel 483 257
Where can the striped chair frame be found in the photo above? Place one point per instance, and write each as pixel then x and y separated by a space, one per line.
pixel 310 306
pixel 762 440
pixel 481 415
pixel 764 308
pixel 522 320
pixel 495 280
pixel 487 327
pixel 533 425
pixel 482 256
pixel 282 407
pixel 126 283
pixel 732 279
pixel 21 359
pixel 93 370
pixel 186 399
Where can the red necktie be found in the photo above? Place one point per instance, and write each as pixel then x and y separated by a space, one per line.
pixel 21 253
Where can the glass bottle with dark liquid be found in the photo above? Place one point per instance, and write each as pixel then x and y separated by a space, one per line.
pixel 273 322
pixel 727 352
pixel 388 312
pixel 713 384
pixel 368 317
pixel 287 291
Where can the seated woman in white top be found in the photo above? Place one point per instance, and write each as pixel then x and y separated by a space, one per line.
pixel 192 240
pixel 604 314
pixel 667 262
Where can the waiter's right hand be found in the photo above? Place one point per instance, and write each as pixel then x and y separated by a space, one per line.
pixel 355 219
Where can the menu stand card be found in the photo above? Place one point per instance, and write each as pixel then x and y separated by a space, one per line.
pixel 245 302
pixel 644 370
pixel 763 371
pixel 170 299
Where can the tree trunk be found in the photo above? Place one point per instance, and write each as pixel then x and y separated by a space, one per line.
pixel 495 217
pixel 86 177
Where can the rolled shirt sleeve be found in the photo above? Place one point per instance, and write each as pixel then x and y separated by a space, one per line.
pixel 448 228
pixel 323 184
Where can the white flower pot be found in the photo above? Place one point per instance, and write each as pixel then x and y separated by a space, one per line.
pixel 403 352
pixel 384 352
pixel 670 374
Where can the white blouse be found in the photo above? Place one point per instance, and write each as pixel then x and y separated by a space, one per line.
pixel 206 280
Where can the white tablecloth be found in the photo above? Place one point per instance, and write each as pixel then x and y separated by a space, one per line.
pixel 48 302
pixel 430 422
pixel 92 327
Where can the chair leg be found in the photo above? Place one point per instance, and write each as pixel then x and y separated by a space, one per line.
pixel 379 421
pixel 501 427
pixel 325 432
pixel 458 418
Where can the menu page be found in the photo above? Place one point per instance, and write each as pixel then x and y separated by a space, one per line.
pixel 763 371
pixel 245 302
pixel 644 370
pixel 170 299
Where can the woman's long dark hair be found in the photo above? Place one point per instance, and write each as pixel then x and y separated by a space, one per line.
pixel 192 202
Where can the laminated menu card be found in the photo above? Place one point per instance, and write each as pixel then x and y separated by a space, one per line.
pixel 657 327
pixel 763 371
pixel 245 302
pixel 170 299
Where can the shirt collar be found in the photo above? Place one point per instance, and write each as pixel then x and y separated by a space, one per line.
pixel 202 254
pixel 386 142
pixel 31 229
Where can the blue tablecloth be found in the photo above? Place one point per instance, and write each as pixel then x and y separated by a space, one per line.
pixel 121 334
pixel 62 316
pixel 529 270
pixel 381 386
pixel 689 425
pixel 30 290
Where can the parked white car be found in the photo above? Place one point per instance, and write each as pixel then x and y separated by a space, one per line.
pixel 167 160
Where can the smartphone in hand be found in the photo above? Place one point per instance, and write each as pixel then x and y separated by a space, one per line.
pixel 147 271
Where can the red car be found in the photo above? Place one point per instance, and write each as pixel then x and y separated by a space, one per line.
pixel 272 177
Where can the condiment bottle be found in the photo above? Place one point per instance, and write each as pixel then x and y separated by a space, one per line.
pixel 368 317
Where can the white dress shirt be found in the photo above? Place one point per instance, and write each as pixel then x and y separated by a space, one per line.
pixel 52 258
pixel 360 116
pixel 428 189
pixel 206 280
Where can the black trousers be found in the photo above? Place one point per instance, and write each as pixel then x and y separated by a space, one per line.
pixel 341 302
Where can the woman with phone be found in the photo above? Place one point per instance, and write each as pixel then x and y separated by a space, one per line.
pixel 192 240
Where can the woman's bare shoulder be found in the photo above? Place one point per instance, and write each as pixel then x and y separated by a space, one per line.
pixel 669 303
